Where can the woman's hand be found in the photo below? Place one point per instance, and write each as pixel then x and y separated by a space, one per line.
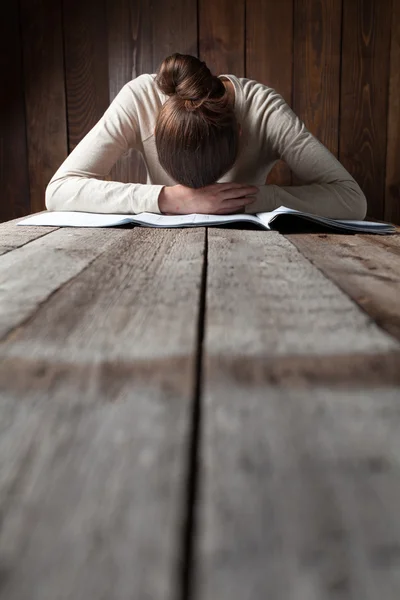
pixel 216 199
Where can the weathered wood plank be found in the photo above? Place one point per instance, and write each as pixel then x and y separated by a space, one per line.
pixel 277 302
pixel 392 198
pixel 287 354
pixel 92 466
pixel 86 71
pixel 12 236
pixel 222 36
pixel 30 274
pixel 269 25
pixel 316 69
pixel 300 492
pixel 14 177
pixel 364 96
pixel 367 268
pixel 96 426
pixel 132 277
pixel 46 119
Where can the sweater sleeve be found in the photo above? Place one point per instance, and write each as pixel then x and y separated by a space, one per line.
pixel 328 190
pixel 78 184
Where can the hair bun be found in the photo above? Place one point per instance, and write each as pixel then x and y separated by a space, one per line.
pixel 189 78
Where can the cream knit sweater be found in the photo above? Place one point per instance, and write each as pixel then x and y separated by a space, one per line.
pixel 270 131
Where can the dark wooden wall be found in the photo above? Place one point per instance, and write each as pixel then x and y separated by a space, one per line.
pixel 337 62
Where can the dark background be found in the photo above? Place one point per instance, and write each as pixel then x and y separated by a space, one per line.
pixel 337 62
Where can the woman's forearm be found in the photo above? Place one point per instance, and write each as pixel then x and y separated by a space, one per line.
pixel 87 194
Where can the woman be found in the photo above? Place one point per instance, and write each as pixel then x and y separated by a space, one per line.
pixel 198 134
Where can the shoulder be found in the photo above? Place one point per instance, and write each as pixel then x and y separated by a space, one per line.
pixel 262 109
pixel 140 99
pixel 141 88
pixel 252 94
pixel 143 83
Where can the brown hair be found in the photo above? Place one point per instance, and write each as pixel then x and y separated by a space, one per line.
pixel 197 134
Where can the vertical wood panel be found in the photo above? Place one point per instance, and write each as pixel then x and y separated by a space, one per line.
pixel 317 33
pixel 364 96
pixel 392 199
pixel 123 34
pixel 269 25
pixel 14 180
pixel 222 35
pixel 41 26
pixel 174 27
pixel 165 28
pixel 86 66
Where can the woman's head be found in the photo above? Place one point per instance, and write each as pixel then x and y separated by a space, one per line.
pixel 197 134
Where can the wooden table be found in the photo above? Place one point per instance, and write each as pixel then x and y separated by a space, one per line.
pixel 209 414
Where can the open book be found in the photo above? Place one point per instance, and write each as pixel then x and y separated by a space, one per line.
pixel 281 219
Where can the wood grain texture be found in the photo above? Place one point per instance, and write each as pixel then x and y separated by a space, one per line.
pixel 165 28
pixel 97 425
pixel 316 70
pixel 392 197
pixel 86 65
pixel 31 274
pixel 300 493
pixel 284 460
pixel 125 291
pixel 123 33
pixel 222 36
pixel 269 25
pixel 366 267
pixel 12 236
pixel 91 486
pixel 266 298
pixel 14 177
pixel 364 96
pixel 41 26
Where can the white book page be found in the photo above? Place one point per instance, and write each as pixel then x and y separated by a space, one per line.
pixel 82 219
pixel 155 220
pixel 194 219
pixel 76 219
pixel 212 219
pixel 265 217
